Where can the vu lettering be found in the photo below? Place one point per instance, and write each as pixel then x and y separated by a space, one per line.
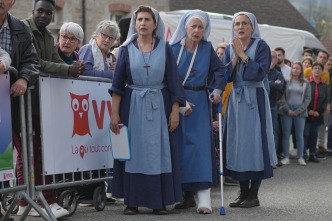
pixel 100 115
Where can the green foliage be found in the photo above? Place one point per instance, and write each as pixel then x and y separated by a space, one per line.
pixel 317 11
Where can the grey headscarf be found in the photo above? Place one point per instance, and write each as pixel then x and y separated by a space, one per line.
pixel 180 31
pixel 255 33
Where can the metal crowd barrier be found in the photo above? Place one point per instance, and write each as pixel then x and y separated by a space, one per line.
pixel 21 191
pixel 73 180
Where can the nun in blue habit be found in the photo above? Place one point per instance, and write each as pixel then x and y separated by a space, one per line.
pixel 200 69
pixel 146 95
pixel 248 141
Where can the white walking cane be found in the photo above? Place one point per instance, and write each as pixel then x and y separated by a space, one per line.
pixel 222 208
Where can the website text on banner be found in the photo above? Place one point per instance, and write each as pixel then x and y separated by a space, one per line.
pixel 6 147
pixel 75 117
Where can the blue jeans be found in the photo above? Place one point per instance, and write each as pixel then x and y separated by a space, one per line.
pixel 275 123
pixel 286 123
pixel 310 134
pixel 329 138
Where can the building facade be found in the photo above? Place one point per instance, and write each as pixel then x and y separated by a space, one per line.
pixel 87 13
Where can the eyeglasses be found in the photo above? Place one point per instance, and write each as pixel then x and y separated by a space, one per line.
pixel 317 68
pixel 244 24
pixel 66 38
pixel 105 36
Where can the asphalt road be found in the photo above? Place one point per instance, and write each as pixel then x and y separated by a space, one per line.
pixel 295 193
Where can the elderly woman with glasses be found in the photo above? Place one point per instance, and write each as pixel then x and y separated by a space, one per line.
pixel 97 55
pixel 71 36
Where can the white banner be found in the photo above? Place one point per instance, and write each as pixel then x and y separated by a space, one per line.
pixel 6 147
pixel 75 118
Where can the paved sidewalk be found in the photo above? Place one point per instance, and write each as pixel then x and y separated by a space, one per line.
pixel 295 193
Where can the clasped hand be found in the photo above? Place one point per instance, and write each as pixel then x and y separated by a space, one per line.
pixel 112 65
pixel 292 113
pixel 77 68
pixel 238 48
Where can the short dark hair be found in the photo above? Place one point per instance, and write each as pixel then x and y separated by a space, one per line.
pixel 50 1
pixel 280 49
pixel 143 8
pixel 325 52
pixel 308 50
pixel 318 64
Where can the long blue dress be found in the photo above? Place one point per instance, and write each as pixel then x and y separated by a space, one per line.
pixel 159 185
pixel 248 142
pixel 196 143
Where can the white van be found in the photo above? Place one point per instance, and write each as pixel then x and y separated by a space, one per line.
pixel 294 41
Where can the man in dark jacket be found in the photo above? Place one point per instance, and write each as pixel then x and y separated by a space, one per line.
pixel 276 83
pixel 17 42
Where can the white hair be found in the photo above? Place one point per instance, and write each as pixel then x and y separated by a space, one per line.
pixel 74 29
pixel 111 26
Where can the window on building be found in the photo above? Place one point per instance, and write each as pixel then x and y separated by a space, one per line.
pixel 116 16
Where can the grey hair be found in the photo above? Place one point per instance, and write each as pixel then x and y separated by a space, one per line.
pixel 111 26
pixel 74 29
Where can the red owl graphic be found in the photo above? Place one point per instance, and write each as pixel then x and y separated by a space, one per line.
pixel 80 107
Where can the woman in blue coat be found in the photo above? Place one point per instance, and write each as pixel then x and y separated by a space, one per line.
pixel 248 136
pixel 200 69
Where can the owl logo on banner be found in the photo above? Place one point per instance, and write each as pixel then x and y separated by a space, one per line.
pixel 80 107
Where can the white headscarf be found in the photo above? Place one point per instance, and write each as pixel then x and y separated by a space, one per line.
pixel 98 60
pixel 255 33
pixel 180 31
pixel 132 32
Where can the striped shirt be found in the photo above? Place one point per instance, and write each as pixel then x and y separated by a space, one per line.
pixel 5 37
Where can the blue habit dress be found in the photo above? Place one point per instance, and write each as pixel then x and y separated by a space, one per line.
pixel 248 142
pixel 196 143
pixel 151 178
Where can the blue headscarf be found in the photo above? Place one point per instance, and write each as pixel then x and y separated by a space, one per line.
pixel 255 33
pixel 132 32
pixel 180 31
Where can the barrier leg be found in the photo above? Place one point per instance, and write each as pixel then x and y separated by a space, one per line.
pixel 46 206
pixel 10 209
pixel 26 212
pixel 37 207
pixel 24 143
pixel 30 147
